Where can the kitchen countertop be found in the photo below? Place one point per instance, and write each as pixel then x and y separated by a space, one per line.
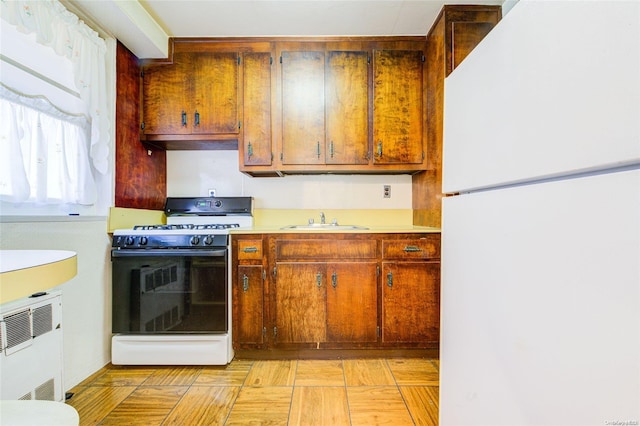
pixel 407 229
pixel 24 272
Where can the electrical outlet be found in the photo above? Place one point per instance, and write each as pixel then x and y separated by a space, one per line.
pixel 212 193
pixel 387 191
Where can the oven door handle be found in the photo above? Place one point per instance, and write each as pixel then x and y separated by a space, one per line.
pixel 168 253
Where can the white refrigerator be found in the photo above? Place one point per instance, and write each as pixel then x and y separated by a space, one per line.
pixel 540 296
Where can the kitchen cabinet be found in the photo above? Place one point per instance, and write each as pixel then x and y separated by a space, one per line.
pixel 455 33
pixel 194 98
pixel 335 291
pixel 410 290
pixel 397 106
pixel 256 148
pixel 248 287
pixel 325 292
pixel 325 107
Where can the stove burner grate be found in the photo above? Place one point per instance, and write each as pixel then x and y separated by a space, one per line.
pixel 186 226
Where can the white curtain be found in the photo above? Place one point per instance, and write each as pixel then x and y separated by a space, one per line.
pixel 60 29
pixel 43 152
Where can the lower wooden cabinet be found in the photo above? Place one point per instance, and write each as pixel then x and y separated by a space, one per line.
pixel 336 291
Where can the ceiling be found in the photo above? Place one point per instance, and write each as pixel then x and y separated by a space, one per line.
pixel 145 26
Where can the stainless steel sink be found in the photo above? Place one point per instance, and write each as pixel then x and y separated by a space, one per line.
pixel 324 227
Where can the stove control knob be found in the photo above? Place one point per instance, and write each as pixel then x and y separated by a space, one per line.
pixel 208 240
pixel 128 241
pixel 218 203
pixel 195 240
pixel 144 241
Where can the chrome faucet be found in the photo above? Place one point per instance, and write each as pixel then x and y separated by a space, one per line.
pixel 322 219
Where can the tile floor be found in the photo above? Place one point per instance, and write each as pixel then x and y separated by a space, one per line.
pixel 299 392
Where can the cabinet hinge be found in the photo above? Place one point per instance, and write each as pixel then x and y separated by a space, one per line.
pixel 142 125
pixel 270 60
pixel 142 73
pixel 378 331
pixel 280 59
pixel 423 58
pixel 422 155
pixel 274 271
pixel 368 59
pixel 239 59
pixel 275 331
pixel 272 157
pixel 377 270
pixel 239 124
pixel 264 275
pixel 281 156
pixel 264 331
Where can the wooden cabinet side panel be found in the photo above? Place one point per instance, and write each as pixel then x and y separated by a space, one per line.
pixel 248 301
pixel 465 36
pixel 300 299
pixel 256 126
pixel 303 127
pixel 397 106
pixel 216 92
pixel 410 302
pixel 352 302
pixel 346 109
pixel 140 179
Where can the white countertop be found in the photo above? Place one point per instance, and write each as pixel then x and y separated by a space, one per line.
pixel 11 260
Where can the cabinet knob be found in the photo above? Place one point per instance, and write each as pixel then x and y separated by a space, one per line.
pixel 390 279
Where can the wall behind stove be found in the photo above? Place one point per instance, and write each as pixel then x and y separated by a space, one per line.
pixel 193 173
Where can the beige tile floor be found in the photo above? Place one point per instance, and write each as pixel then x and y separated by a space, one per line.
pixel 299 392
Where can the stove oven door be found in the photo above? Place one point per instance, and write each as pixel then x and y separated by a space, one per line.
pixel 170 291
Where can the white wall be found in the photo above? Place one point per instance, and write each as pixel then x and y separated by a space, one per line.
pixel 86 298
pixel 193 173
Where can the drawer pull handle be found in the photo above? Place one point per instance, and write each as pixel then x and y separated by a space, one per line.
pixel 318 149
pixel 334 280
pixel 197 118
pixel 250 149
pixel 250 249
pixel 184 118
pixel 319 280
pixel 390 279
pixel 412 249
pixel 245 283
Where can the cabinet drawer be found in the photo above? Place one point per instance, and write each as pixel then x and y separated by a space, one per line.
pixel 249 249
pixel 427 247
pixel 325 249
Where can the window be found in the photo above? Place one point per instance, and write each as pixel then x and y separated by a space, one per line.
pixel 55 157
pixel 43 153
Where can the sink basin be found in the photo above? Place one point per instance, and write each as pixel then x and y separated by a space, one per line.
pixel 323 227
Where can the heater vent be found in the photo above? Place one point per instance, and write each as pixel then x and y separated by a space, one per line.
pixel 42 320
pixel 18 327
pixel 46 391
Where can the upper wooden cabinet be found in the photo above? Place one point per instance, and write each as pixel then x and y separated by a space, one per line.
pixel 256 147
pixel 352 106
pixel 397 106
pixel 195 96
pixel 324 108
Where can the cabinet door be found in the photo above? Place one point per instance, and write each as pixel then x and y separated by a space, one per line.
pixel 215 97
pixel 303 136
pixel 352 302
pixel 410 301
pixel 167 97
pixel 256 126
pixel 300 302
pixel 346 108
pixel 397 106
pixel 248 300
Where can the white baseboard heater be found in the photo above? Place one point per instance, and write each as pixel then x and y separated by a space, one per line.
pixel 31 348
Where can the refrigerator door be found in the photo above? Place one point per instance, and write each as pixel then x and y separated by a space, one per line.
pixel 540 304
pixel 554 89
